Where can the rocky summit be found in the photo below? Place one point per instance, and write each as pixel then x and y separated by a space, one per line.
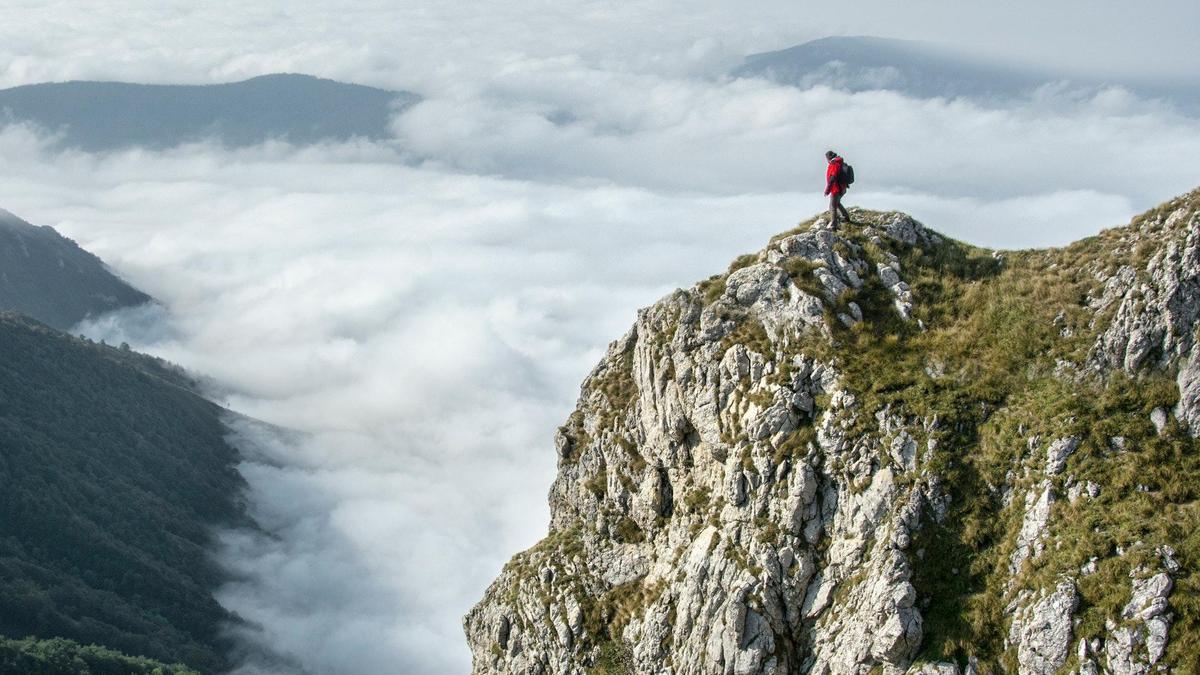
pixel 879 450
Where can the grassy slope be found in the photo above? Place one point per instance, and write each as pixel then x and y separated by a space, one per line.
pixel 112 473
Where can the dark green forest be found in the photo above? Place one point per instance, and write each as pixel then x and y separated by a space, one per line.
pixel 59 656
pixel 113 474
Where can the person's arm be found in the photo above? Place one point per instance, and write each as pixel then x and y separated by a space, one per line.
pixel 830 176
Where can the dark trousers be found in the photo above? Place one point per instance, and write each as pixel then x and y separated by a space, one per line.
pixel 836 209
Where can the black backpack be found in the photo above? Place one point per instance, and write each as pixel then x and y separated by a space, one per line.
pixel 847 176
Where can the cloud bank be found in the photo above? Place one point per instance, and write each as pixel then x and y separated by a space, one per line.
pixel 425 45
pixel 419 312
pixel 425 331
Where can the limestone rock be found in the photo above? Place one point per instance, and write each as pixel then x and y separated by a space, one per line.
pixel 1042 631
pixel 1157 312
pixel 1057 454
pixel 939 668
pixel 1030 540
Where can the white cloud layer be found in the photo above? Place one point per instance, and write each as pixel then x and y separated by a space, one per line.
pixel 430 45
pixel 422 312
pixel 426 331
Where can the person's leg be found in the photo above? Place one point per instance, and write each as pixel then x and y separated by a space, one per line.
pixel 835 203
pixel 845 213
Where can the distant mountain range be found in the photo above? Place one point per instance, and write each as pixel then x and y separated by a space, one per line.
pixel 927 70
pixel 301 109
pixel 47 276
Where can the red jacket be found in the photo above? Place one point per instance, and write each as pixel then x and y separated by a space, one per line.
pixel 833 177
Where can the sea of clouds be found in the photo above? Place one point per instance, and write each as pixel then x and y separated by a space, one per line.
pixel 418 313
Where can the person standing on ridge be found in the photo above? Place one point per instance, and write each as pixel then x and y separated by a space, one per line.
pixel 836 185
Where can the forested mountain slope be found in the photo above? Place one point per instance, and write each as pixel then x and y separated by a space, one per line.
pixel 113 475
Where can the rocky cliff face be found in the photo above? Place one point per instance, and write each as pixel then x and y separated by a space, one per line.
pixel 880 450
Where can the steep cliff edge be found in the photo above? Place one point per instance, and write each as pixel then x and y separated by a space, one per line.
pixel 881 450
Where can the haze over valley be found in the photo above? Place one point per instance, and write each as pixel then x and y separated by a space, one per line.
pixel 391 277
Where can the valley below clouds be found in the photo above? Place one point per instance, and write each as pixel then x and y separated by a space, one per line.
pixel 411 318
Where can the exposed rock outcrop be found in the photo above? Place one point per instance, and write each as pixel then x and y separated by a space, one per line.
pixel 1136 643
pixel 1041 631
pixel 830 460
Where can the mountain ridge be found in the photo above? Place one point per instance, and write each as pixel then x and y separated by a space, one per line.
pixel 881 450
pixel 50 278
pixel 933 70
pixel 103 116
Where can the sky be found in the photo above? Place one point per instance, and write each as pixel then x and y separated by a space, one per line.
pixel 418 313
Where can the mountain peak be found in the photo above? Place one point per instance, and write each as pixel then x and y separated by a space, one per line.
pixel 877 447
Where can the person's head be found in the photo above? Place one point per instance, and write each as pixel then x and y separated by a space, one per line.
pixel 830 155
